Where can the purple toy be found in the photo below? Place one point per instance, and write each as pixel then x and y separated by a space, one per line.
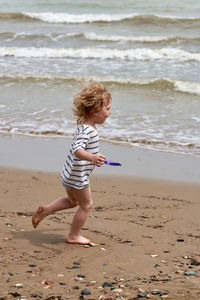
pixel 112 163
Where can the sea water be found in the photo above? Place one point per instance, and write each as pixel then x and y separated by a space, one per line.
pixel 147 53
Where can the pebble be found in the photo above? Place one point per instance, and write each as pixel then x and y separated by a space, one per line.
pixel 180 240
pixel 156 265
pixel 76 287
pixel 77 263
pixel 118 290
pixel 105 284
pixel 9 224
pixel 78 278
pixel 154 255
pixel 19 285
pixel 164 293
pixel 190 273
pixel 141 294
pixel 32 265
pixel 155 292
pixel 36 295
pixel 81 275
pixel 103 297
pixel 85 292
pixel 103 249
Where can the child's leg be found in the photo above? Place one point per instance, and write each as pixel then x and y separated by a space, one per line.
pixel 56 205
pixel 84 199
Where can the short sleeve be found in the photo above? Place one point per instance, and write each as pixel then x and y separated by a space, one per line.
pixel 80 141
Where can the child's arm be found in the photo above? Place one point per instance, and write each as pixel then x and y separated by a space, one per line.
pixel 97 159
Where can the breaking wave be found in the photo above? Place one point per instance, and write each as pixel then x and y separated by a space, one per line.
pixel 90 18
pixel 98 37
pixel 188 87
pixel 163 54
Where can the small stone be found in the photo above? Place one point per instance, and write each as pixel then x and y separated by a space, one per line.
pixel 36 295
pixel 32 265
pixel 118 290
pixel 60 275
pixel 85 292
pixel 156 265
pixel 9 224
pixel 106 284
pixel 190 273
pixel 77 263
pixel 103 249
pixel 103 297
pixel 141 294
pixel 11 274
pixel 76 287
pixel 19 285
pixel 78 279
pixel 163 293
pixel 81 275
pixel 180 240
pixel 154 255
pixel 155 292
pixel 75 267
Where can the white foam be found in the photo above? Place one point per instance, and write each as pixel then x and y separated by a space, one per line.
pixel 188 87
pixel 77 18
pixel 83 18
pixel 163 54
pixel 118 38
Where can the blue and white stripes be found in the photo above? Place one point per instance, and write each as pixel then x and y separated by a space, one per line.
pixel 75 172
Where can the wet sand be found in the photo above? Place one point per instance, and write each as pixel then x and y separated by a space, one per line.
pixel 146 230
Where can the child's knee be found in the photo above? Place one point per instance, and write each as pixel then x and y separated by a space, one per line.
pixel 87 206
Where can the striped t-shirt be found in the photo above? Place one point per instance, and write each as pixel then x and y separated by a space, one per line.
pixel 75 172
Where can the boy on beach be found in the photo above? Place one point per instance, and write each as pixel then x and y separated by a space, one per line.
pixel 91 106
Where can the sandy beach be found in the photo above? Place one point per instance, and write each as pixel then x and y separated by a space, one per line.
pixel 146 230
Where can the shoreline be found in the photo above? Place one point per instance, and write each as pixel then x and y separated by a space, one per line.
pixel 45 154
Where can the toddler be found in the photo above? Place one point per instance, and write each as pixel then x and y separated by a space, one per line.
pixel 91 106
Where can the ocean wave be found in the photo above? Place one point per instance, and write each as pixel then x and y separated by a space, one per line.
pixel 182 86
pixel 139 39
pixel 90 18
pixel 98 37
pixel 51 17
pixel 163 54
pixel 146 143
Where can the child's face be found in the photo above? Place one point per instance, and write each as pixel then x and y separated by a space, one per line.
pixel 104 113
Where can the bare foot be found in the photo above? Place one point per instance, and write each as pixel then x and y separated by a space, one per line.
pixel 39 215
pixel 78 240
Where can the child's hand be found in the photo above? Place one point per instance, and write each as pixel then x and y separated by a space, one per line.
pixel 98 159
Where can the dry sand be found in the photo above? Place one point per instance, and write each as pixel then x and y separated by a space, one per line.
pixel 136 224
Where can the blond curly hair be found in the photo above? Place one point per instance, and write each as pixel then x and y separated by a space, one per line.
pixel 91 99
